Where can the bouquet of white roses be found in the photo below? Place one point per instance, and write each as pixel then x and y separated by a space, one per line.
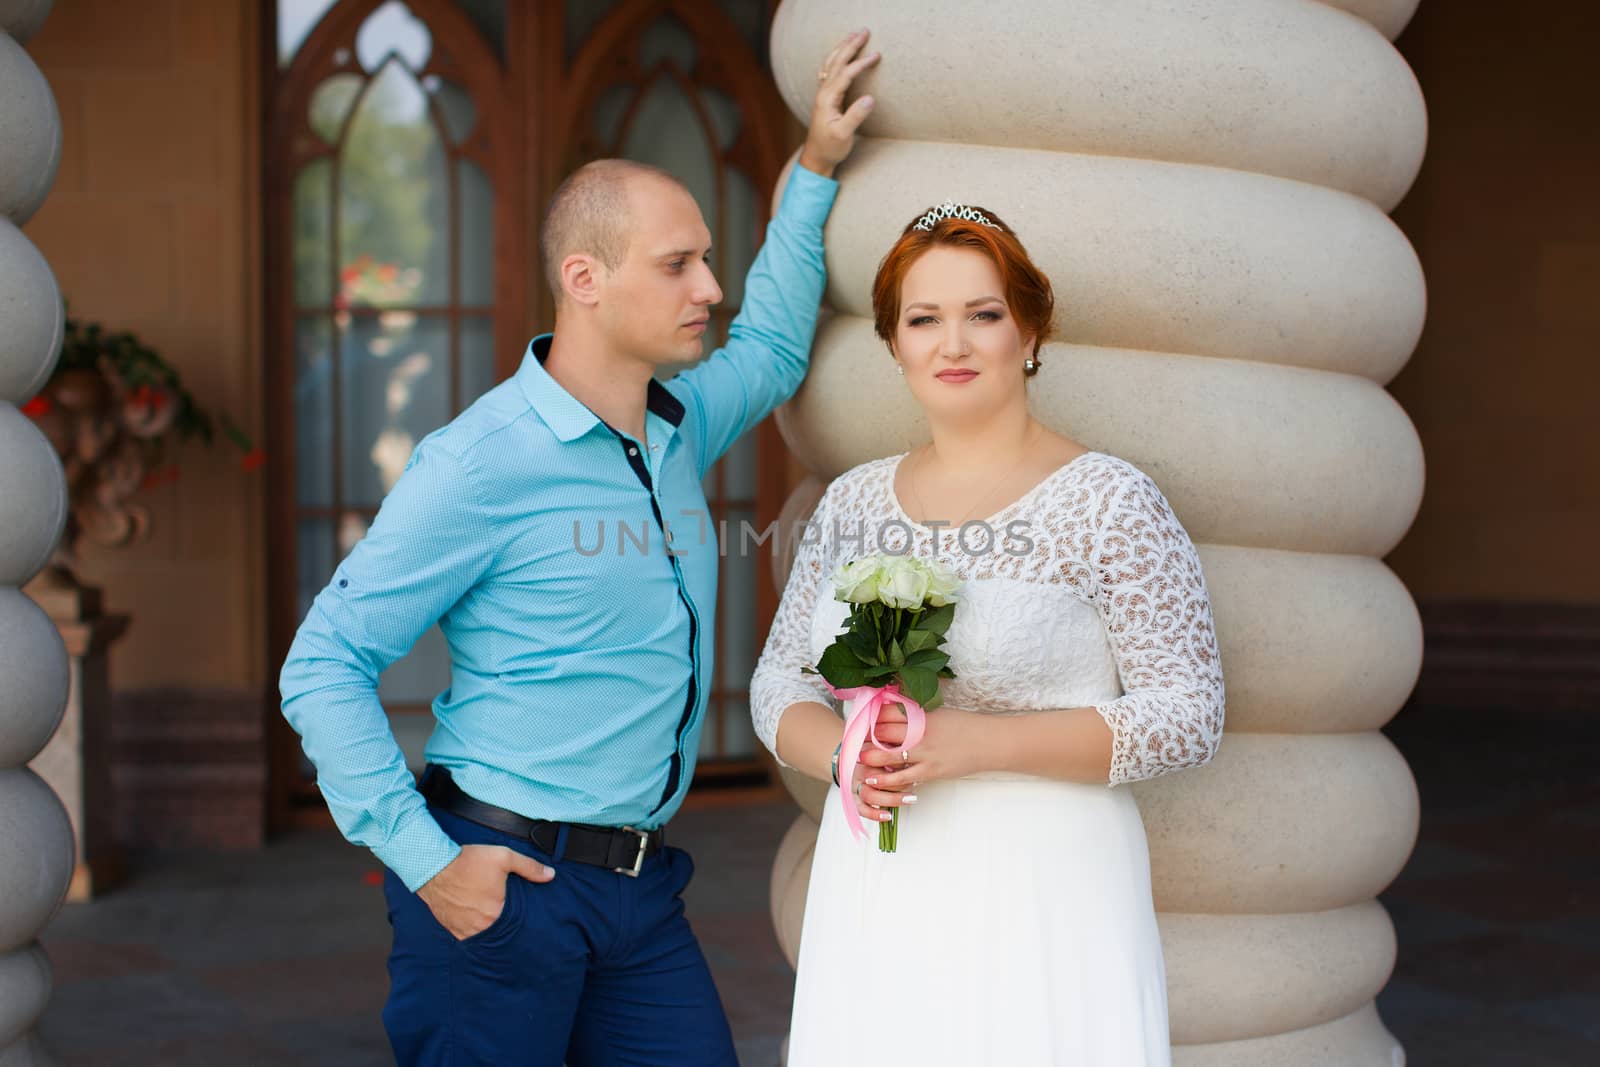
pixel 900 609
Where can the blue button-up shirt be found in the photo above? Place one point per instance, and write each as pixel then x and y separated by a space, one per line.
pixel 580 661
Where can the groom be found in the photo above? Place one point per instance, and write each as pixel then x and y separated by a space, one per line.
pixel 536 909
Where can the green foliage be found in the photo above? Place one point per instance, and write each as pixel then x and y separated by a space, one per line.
pixel 881 644
pixel 921 686
pixel 392 193
pixel 393 176
pixel 938 620
pixel 866 646
pixel 90 347
pixel 841 667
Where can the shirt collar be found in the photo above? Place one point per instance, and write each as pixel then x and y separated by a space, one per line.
pixel 564 413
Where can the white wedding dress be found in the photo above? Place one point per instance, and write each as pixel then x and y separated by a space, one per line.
pixel 1015 924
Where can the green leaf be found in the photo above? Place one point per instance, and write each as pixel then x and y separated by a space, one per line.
pixel 886 627
pixel 836 658
pixel 897 658
pixel 930 660
pixel 938 620
pixel 881 673
pixel 863 624
pixel 920 685
pixel 917 640
pixel 863 645
pixel 845 677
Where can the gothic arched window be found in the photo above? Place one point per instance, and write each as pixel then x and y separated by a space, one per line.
pixel 659 83
pixel 394 164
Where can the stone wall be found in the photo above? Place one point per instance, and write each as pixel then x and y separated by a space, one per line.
pixel 153 226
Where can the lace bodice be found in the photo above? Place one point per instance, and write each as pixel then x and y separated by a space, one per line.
pixel 1085 592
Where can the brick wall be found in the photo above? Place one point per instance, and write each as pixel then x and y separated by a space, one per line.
pixel 152 227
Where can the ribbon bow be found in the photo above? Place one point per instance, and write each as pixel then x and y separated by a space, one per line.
pixel 862 726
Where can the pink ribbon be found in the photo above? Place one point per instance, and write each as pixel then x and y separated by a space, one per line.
pixel 862 727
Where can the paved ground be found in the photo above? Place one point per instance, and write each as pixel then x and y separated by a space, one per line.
pixel 1498 911
pixel 276 956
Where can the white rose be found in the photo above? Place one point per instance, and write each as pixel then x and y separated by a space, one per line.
pixel 857 583
pixel 943 585
pixel 904 584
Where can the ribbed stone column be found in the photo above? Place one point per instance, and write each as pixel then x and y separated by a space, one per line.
pixel 36 851
pixel 1207 185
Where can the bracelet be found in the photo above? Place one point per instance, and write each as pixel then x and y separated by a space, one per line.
pixel 836 750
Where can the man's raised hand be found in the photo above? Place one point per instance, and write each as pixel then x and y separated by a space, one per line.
pixel 832 132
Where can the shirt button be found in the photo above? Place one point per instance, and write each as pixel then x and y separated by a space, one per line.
pixel 632 451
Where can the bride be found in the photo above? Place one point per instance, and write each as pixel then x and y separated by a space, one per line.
pixel 1014 925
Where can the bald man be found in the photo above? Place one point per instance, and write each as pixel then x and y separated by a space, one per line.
pixel 536 908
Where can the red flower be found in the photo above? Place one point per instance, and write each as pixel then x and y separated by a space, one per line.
pixel 148 396
pixel 160 476
pixel 254 459
pixel 38 407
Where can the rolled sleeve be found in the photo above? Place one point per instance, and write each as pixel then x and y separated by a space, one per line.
pixel 431 542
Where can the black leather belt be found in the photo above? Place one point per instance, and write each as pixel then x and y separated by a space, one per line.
pixel 621 849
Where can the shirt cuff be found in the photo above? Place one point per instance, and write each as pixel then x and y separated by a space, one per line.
pixel 418 850
pixel 808 197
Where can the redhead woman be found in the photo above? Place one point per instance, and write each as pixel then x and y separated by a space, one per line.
pixel 1014 925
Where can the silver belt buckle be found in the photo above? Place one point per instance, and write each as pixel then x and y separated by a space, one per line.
pixel 638 859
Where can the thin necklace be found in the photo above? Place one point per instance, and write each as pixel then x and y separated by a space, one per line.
pixel 912 485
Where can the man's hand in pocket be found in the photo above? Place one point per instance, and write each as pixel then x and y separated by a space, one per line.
pixel 468 895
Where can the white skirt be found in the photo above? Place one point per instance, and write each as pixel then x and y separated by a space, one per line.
pixel 1013 926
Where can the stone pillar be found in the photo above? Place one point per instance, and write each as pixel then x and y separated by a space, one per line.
pixel 1207 186
pixel 76 764
pixel 36 850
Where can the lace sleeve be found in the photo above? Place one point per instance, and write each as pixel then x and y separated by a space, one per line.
pixel 1151 596
pixel 778 682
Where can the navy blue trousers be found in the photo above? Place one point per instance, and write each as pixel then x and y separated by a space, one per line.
pixel 592 969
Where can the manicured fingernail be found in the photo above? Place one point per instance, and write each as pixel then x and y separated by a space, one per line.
pixel 872 781
pixel 909 798
pixel 884 816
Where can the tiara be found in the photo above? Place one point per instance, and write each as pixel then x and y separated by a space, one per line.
pixel 951 210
